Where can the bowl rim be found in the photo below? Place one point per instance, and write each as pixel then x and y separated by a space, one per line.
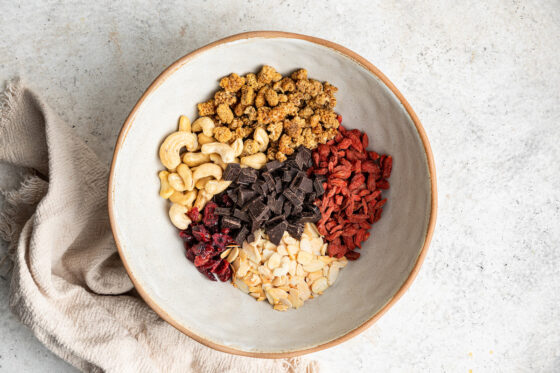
pixel 372 69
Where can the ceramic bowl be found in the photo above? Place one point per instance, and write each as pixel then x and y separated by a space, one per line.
pixel 217 314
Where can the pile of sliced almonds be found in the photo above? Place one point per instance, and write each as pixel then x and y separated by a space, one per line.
pixel 288 274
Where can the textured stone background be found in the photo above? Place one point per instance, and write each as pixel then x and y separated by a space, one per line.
pixel 484 79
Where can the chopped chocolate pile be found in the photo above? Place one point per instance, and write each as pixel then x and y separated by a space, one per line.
pixel 279 197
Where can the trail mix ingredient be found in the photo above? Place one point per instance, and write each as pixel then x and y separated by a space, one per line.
pixel 208 245
pixel 352 201
pixel 277 198
pixel 286 274
pixel 291 111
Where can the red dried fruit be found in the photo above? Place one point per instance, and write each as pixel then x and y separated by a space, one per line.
pixel 194 214
pixel 339 118
pixel 355 178
pixel 200 232
pixel 387 167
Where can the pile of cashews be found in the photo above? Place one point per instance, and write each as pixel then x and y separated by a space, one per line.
pixel 194 177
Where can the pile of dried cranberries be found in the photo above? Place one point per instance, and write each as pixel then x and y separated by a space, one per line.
pixel 205 240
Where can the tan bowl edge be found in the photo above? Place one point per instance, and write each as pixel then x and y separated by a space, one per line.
pixel 366 64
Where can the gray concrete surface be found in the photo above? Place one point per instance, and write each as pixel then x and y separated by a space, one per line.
pixel 483 78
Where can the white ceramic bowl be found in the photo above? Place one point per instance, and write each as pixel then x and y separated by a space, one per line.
pixel 217 314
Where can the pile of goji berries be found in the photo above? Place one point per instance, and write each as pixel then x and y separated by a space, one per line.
pixel 352 201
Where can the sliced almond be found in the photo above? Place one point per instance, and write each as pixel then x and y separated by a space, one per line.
pixel 281 250
pixel 233 254
pixel 280 271
pixel 280 281
pixel 225 253
pixel 289 240
pixel 316 244
pixel 253 254
pixel 333 274
pixel 324 249
pixel 241 285
pixel 313 266
pixel 286 302
pixel 310 229
pixel 326 259
pixel 266 253
pixel 292 268
pixel 294 298
pixel 303 290
pixel 265 272
pixel 305 245
pixel 277 293
pixel 315 275
pixel 304 258
pixel 243 268
pixel 274 261
pixel 300 271
pixel 280 307
pixel 319 285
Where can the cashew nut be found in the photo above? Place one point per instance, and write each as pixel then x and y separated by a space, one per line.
pixel 200 184
pixel 203 139
pixel 195 159
pixel 185 199
pixel 204 124
pixel 171 146
pixel 184 123
pixel 207 169
pixel 256 160
pixel 165 190
pixel 237 147
pixel 261 137
pixel 216 186
pixel 185 172
pixel 218 160
pixel 176 182
pixel 177 214
pixel 224 150
pixel 201 199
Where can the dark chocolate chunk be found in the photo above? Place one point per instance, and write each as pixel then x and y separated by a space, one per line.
pixel 310 198
pixel 232 172
pixel 244 195
pixel 241 235
pixel 295 230
pixel 278 185
pixel 276 232
pixel 305 184
pixel 232 193
pixel 240 215
pixel 261 187
pixel 247 176
pixel 269 180
pixel 287 208
pixel 250 238
pixel 318 187
pixel 288 175
pixel 291 196
pixel 257 210
pixel 222 211
pixel 275 220
pixel 273 165
pixel 231 222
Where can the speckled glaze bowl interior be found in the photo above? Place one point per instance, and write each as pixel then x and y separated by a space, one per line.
pixel 217 314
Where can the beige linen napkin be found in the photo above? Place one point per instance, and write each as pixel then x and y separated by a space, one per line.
pixel 68 283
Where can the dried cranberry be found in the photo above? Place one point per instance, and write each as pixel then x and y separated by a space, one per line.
pixel 194 214
pixel 226 201
pixel 223 271
pixel 208 274
pixel 210 220
pixel 198 248
pixel 220 240
pixel 201 233
pixel 187 237
pixel 200 260
pixel 210 265
pixel 225 230
pixel 190 255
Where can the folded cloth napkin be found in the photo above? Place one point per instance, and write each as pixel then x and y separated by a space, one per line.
pixel 68 283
